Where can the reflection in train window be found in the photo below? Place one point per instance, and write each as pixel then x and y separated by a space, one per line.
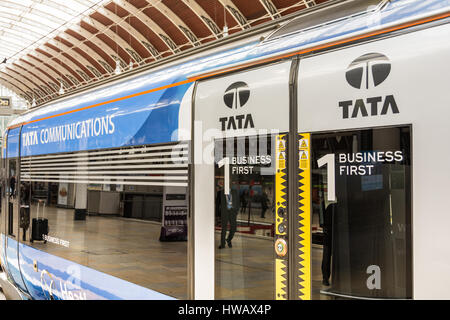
pixel 244 220
pixel 133 226
pixel 362 233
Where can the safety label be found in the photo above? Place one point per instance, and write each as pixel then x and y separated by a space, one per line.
pixel 281 158
pixel 281 145
pixel 304 159
pixel 303 144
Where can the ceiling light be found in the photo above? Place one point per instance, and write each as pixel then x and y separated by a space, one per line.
pixel 225 30
pixel 61 89
pixel 118 70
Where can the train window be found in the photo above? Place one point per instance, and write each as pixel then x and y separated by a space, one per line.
pixel 244 218
pixel 361 222
pixel 125 214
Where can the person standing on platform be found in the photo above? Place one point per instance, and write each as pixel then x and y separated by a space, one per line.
pixel 229 204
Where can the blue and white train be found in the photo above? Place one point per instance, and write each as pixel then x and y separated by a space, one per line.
pixel 302 78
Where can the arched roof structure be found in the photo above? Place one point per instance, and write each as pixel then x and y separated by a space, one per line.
pixel 50 48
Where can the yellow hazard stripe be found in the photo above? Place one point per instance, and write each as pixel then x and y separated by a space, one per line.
pixel 280 279
pixel 304 218
pixel 281 272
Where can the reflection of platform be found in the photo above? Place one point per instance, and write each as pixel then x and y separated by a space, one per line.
pixel 255 228
pixel 245 271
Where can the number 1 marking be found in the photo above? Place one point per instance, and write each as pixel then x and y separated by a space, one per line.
pixel 331 181
pixel 226 182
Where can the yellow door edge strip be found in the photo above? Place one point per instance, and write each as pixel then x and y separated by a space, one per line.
pixel 281 248
pixel 304 218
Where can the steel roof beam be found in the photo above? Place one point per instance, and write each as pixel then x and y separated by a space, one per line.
pixel 42 76
pixel 30 84
pixel 173 47
pixel 61 71
pixel 30 59
pixel 136 34
pixel 78 57
pixel 19 84
pixel 14 88
pixel 23 74
pixel 92 37
pixel 69 65
pixel 184 29
pixel 235 13
pixel 106 30
pixel 81 73
pixel 88 50
pixel 204 17
pixel 271 9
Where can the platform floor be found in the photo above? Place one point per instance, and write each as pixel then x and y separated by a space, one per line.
pixel 130 249
pixel 246 271
pixel 125 248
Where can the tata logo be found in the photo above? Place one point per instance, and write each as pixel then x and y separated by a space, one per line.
pixel 235 97
pixel 368 70
pixel 365 73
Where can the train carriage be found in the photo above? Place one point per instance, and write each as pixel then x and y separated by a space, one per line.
pixel 318 143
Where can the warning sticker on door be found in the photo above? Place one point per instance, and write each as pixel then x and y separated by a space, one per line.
pixel 304 159
pixel 281 145
pixel 303 144
pixel 281 158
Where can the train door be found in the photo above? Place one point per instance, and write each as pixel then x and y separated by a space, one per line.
pixel 11 206
pixel 370 237
pixel 240 200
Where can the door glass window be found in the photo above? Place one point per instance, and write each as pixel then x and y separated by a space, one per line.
pixel 362 231
pixel 244 219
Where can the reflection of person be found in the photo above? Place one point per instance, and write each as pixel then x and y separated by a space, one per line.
pixel 327 242
pixel 12 184
pixel 229 209
pixel 25 193
pixel 24 208
pixel 244 200
pixel 218 198
pixel 264 205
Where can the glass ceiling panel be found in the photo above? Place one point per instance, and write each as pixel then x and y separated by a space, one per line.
pixel 25 22
pixel 38 23
pixel 27 36
pixel 27 27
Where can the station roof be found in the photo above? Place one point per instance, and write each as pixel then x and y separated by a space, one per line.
pixel 49 48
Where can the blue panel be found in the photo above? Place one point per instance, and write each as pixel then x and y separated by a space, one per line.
pixel 13 263
pixel 74 281
pixel 112 125
pixel 162 123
